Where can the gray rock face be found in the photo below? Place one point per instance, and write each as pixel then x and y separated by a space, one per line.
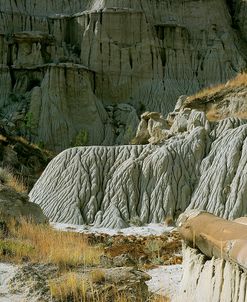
pixel 16 205
pixel 108 186
pixel 64 63
pixel 213 279
pixel 223 182
pixel 201 166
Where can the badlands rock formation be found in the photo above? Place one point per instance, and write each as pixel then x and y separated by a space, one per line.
pixel 14 205
pixel 76 72
pixel 202 165
pixel 215 268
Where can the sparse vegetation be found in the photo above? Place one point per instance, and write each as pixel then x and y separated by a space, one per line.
pixel 154 247
pixel 238 81
pixel 65 249
pixel 211 99
pixel 97 276
pixel 75 287
pixel 81 139
pixel 29 125
pixel 78 276
pixel 161 299
pixel 11 249
pixel 69 286
pixel 12 181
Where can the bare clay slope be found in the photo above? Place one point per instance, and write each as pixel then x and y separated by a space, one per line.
pixel 202 166
pixel 82 70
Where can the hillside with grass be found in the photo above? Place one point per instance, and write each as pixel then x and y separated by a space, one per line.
pixel 222 101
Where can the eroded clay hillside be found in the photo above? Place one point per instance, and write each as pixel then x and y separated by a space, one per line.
pixel 186 161
pixel 81 72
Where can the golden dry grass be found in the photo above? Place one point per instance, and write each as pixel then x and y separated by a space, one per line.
pixel 97 276
pixel 50 246
pixel 213 114
pixel 12 181
pixel 238 81
pixel 42 244
pixel 74 287
pixel 69 285
pixel 3 138
pixel 14 250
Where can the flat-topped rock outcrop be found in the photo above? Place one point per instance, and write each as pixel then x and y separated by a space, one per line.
pixel 68 67
pixel 214 258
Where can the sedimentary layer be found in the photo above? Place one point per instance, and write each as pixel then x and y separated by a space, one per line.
pixel 71 67
pixel 201 165
pixel 214 258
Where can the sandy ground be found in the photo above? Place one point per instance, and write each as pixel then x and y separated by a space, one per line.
pixel 7 271
pixel 146 230
pixel 165 280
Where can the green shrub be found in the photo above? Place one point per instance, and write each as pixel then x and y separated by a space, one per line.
pixel 81 138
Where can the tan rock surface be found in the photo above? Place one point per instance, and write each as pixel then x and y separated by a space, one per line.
pixel 215 268
pixel 214 236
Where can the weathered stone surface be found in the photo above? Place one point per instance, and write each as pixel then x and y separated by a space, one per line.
pixel 216 280
pixel 65 62
pixel 16 205
pixel 201 166
pixel 108 186
pixel 214 236
pixel 222 185
pixel 218 271
pixel 153 129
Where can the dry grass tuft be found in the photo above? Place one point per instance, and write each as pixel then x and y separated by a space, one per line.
pixel 14 250
pixel 50 246
pixel 12 181
pixel 74 287
pixel 213 114
pixel 69 286
pixel 238 81
pixel 97 276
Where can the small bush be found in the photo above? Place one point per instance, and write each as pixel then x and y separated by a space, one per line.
pixel 81 139
pixel 97 276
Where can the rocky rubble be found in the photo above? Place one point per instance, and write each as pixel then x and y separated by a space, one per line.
pixel 32 281
pixel 82 71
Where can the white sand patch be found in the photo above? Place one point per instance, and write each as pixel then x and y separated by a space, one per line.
pixel 165 280
pixel 146 230
pixel 7 271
